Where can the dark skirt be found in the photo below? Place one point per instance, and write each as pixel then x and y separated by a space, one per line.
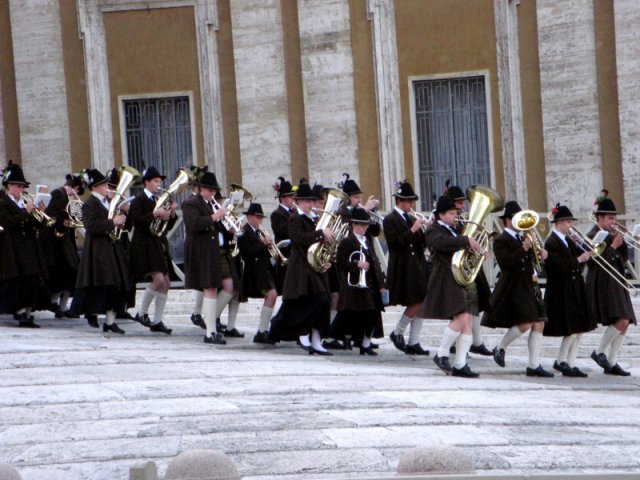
pixel 356 324
pixel 298 316
pixel 24 292
pixel 231 267
pixel 334 280
pixel 62 277
pixel 95 300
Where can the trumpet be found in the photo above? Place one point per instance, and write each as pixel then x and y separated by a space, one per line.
pixel 375 216
pixel 620 229
pixel 421 216
pixel 38 214
pixel 526 221
pixel 274 251
pixel 358 256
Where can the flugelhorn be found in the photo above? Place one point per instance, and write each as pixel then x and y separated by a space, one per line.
pixel 128 176
pixel 428 219
pixel 526 221
pixel 184 179
pixel 358 256
pixel 273 249
pixel 38 214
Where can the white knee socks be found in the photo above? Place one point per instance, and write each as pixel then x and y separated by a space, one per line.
pixel 563 353
pixel 511 336
pixel 147 298
pixel 197 308
pixel 209 314
pixel 448 338
pixel 477 336
pixel 414 332
pixel 265 318
pixel 607 337
pixel 402 325
pixel 616 344
pixel 223 300
pixel 573 351
pixel 111 317
pixel 161 301
pixel 463 344
pixel 535 345
pixel 232 314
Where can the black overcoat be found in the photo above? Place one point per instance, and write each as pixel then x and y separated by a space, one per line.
pixel 513 300
pixel 257 278
pixel 148 252
pixel 280 226
pixel 565 298
pixel 301 280
pixel 407 275
pixel 609 300
pixel 445 298
pixel 201 247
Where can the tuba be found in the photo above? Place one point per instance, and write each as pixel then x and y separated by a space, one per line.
pixel 526 221
pixel 466 264
pixel 129 176
pixel 184 179
pixel 321 253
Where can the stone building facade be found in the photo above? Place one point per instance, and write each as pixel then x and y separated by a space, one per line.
pixel 534 97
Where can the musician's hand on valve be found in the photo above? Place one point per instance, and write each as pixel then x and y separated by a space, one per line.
pixel 585 257
pixel 174 208
pixel 544 254
pixel 161 213
pixel 41 206
pixel 30 207
pixel 328 234
pixel 526 244
pixel 221 212
pixel 617 241
pixel 417 225
pixel 363 265
pixel 119 220
pixel 474 245
pixel 326 267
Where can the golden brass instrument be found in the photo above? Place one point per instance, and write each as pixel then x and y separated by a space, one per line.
pixel 36 213
pixel 358 256
pixel 526 221
pixel 184 179
pixel 129 176
pixel 466 263
pixel 620 229
pixel 274 251
pixel 233 219
pixel 321 253
pixel 74 211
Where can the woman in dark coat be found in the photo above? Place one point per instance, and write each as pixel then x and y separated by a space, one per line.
pixel 257 279
pixel 514 303
pixel 23 287
pixel 445 297
pixel 565 299
pixel 359 308
pixel 149 253
pixel 610 301
pixel 202 263
pixel 103 277
pixel 305 306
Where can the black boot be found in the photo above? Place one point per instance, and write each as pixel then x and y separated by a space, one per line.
pixel 112 328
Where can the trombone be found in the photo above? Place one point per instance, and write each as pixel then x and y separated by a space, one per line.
pixel 620 229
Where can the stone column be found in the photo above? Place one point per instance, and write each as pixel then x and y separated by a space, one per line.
pixel 571 129
pixel 508 56
pixel 261 95
pixel 387 81
pixel 329 96
pixel 627 28
pixel 3 146
pixel 40 90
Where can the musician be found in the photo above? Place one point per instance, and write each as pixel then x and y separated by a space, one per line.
pixel 280 224
pixel 359 307
pixel 102 286
pixel 565 297
pixel 59 243
pixel 445 298
pixel 305 308
pixel 257 279
pixel 23 286
pixel 514 302
pixel 202 260
pixel 610 301
pixel 150 259
pixel 482 284
pixel 407 272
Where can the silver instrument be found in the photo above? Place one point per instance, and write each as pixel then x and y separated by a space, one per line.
pixel 358 256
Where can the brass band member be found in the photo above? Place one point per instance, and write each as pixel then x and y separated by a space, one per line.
pixel 22 278
pixel 610 301
pixel 514 301
pixel 280 224
pixel 407 272
pixel 445 298
pixel 150 259
pixel 103 278
pixel 257 280
pixel 565 298
pixel 202 251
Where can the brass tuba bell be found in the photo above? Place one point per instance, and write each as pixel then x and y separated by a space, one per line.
pixel 184 179
pixel 321 253
pixel 129 176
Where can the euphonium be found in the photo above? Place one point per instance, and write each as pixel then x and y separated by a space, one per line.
pixel 321 253
pixel 526 221
pixel 273 249
pixel 38 214
pixel 359 256
pixel 184 179
pixel 128 176
pixel 466 264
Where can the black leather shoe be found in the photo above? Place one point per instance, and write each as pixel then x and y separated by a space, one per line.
pixel 70 314
pixel 263 337
pixel 321 352
pixel 198 321
pixel 398 341
pixel 308 348
pixel 375 346
pixel 452 349
pixel 112 328
pixel 617 370
pixel 579 373
pixel 443 364
pixel 348 345
pixel 160 327
pixel 25 321
pixel 92 320
pixel 464 372
pixel 498 356
pixel 416 350
pixel 57 313
pixel 233 333
pixel 480 350
pixel 601 360
pixel 333 345
pixel 216 339
pixel 368 351
pixel 124 316
pixel 143 319
pixel 538 372
pixel 220 327
pixel 564 368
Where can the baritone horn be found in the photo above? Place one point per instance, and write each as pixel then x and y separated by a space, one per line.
pixel 129 176
pixel 321 253
pixel 526 221
pixel 184 179
pixel 466 263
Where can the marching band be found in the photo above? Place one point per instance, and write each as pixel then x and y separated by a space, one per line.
pixel 325 260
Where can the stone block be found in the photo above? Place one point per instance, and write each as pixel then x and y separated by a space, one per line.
pixel 143 471
pixel 202 465
pixel 436 460
pixel 9 472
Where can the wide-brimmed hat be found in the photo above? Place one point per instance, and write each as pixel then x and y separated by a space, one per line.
pixel 113 176
pixel 198 172
pixel 209 180
pixel 75 181
pixel 444 204
pixel 510 209
pixel 349 186
pixel 604 204
pixel 93 177
pixel 152 172
pixel 359 215
pixel 13 174
pixel 317 191
pixel 303 191
pixel 561 212
pixel 404 191
pixel 254 209
pixel 283 188
pixel 454 191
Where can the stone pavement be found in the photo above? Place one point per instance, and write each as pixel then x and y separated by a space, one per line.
pixel 77 405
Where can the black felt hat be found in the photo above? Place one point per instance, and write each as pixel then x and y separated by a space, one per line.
pixel 454 191
pixel 113 176
pixel 604 204
pixel 444 204
pixel 254 209
pixel 75 180
pixel 349 186
pixel 13 174
pixel 317 191
pixel 359 215
pixel 510 209
pixel 404 191
pixel 93 177
pixel 283 188
pixel 561 212
pixel 209 180
pixel 198 172
pixel 151 173
pixel 303 191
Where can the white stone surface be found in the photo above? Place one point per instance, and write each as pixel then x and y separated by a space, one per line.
pixel 261 94
pixel 571 129
pixel 329 97
pixel 40 90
